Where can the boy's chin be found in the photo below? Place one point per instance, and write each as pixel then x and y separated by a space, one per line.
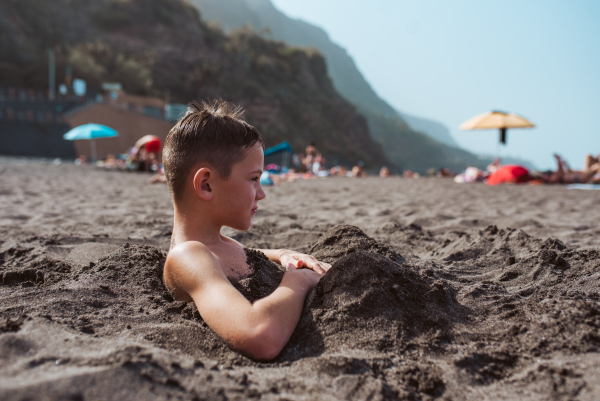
pixel 240 227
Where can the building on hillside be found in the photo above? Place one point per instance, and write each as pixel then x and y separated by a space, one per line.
pixel 131 116
pixel 32 124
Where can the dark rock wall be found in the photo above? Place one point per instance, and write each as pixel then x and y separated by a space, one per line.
pixel 163 49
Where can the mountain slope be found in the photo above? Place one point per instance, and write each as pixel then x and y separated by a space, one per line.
pixel 347 79
pixel 162 48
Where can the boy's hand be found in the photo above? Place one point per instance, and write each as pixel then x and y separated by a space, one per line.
pixel 312 277
pixel 300 260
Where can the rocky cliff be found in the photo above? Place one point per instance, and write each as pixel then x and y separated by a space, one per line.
pixel 347 79
pixel 162 48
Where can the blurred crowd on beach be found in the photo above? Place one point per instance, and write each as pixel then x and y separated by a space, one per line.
pixel 145 156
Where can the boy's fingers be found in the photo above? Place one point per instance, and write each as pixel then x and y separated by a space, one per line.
pixel 316 266
pixel 309 262
pixel 326 266
pixel 319 267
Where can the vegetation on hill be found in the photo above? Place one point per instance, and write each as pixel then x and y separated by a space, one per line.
pixel 162 48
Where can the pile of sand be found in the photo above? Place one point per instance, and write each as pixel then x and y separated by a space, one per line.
pixel 426 303
pixel 378 325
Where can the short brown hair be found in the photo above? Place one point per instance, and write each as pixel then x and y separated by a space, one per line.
pixel 212 133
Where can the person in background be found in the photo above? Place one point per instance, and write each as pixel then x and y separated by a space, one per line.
pixel 310 159
pixel 334 171
pixel 152 149
pixel 384 172
pixel 357 171
pixel 110 162
pixel 311 150
pixel 131 161
pixel 302 168
pixel 445 173
pixel 81 160
pixel 472 174
pixel 159 177
pixel 564 174
pixel 590 162
pixel 318 167
pixel 494 165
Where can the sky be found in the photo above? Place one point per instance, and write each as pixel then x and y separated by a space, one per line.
pixel 451 60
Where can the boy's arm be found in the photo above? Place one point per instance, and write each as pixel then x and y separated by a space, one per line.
pixel 259 330
pixel 286 257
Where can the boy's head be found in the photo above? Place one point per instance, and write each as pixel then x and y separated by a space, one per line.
pixel 210 134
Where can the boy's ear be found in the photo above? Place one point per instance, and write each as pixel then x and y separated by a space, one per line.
pixel 202 183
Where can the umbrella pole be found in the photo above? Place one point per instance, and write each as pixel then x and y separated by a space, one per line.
pixel 499 151
pixel 503 136
pixel 93 146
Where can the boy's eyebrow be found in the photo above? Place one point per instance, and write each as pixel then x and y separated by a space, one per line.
pixel 258 171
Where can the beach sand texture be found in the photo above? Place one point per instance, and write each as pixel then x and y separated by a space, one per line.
pixel 438 291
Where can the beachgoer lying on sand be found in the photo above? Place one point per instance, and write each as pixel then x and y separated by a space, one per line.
pixel 213 162
pixel 159 177
pixel 471 174
pixel 109 163
pixel 267 179
pixel 357 171
pixel 564 166
pixel 339 171
pixel 81 160
pixel 410 174
pixel 590 162
pixel 318 166
pixel 494 166
pixel 445 173
pixel 564 175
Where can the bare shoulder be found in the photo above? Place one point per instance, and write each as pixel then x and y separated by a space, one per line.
pixel 188 265
pixel 188 249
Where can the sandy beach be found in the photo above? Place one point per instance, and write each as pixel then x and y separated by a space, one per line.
pixel 438 291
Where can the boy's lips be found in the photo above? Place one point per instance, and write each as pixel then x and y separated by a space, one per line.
pixel 254 210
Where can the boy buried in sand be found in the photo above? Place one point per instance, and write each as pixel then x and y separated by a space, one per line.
pixel 213 161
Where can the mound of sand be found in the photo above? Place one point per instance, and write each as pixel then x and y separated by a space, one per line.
pixel 429 302
pixel 377 325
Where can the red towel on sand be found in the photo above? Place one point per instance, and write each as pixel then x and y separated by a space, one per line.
pixel 511 174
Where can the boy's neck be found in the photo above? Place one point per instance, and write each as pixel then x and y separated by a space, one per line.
pixel 191 225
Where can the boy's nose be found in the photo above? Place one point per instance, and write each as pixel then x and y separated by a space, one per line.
pixel 260 194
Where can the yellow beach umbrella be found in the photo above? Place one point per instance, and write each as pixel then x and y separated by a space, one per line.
pixel 497 120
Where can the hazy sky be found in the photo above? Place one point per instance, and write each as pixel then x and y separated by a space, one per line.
pixel 451 60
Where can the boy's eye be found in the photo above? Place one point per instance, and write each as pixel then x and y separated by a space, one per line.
pixel 255 178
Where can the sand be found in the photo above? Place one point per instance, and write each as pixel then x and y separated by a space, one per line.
pixel 437 291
